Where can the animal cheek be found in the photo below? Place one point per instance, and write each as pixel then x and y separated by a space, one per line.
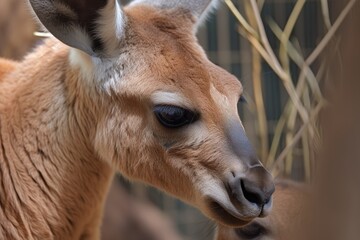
pixel 141 159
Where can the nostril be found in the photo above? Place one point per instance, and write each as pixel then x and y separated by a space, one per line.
pixel 253 193
pixel 255 186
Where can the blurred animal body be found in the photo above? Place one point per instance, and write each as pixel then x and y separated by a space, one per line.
pixel 287 220
pixel 131 219
pixel 121 89
pixel 17 27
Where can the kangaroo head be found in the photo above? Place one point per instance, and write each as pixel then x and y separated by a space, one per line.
pixel 166 115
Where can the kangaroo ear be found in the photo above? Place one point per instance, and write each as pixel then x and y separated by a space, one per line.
pixel 93 26
pixel 199 8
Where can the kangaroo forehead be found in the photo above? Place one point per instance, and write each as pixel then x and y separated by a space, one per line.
pixel 175 56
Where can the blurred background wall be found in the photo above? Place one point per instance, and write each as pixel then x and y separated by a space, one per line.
pixel 338 194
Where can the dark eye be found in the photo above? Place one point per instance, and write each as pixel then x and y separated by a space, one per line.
pixel 250 231
pixel 174 117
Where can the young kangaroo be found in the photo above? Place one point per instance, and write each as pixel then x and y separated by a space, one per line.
pixel 121 89
pixel 287 220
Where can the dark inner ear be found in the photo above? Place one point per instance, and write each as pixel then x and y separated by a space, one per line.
pixel 87 12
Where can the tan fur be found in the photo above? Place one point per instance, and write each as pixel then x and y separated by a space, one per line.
pixel 288 219
pixel 6 67
pixel 64 130
pixel 55 184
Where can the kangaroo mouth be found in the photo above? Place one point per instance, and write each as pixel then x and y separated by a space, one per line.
pixel 226 217
pixel 228 213
pixel 227 208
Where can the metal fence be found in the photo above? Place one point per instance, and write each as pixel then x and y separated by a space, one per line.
pixel 226 48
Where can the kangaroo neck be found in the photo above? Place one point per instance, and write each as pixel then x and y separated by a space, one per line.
pixel 52 183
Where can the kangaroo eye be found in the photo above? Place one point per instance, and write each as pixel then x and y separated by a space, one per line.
pixel 174 117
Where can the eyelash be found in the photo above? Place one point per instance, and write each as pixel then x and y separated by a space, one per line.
pixel 174 117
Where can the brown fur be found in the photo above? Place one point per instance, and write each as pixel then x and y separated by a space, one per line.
pixel 63 134
pixel 39 153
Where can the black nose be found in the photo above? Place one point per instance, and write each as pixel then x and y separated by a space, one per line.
pixel 257 186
